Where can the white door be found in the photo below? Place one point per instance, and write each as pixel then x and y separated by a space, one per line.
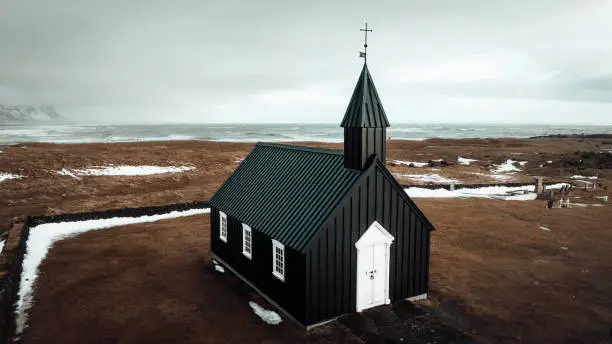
pixel 373 267
pixel 372 275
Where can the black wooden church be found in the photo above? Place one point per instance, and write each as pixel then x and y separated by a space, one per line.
pixel 321 232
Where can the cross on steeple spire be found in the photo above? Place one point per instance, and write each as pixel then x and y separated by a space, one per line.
pixel 364 54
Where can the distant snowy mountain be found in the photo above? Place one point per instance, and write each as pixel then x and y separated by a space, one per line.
pixel 29 114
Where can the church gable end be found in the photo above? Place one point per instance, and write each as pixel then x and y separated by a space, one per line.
pixel 331 258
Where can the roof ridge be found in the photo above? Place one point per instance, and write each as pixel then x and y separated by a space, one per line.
pixel 301 148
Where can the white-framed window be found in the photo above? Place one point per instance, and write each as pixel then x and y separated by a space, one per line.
pixel 222 226
pixel 247 241
pixel 278 260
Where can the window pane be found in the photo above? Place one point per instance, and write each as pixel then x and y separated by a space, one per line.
pixel 278 260
pixel 246 239
pixel 223 229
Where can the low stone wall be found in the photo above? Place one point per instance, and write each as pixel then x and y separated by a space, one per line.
pixel 125 212
pixel 11 258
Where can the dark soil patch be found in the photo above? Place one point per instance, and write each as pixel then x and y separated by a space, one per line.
pixel 587 160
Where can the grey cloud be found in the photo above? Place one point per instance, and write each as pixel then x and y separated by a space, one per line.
pixel 598 83
pixel 201 56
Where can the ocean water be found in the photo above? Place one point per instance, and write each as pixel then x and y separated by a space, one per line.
pixel 73 133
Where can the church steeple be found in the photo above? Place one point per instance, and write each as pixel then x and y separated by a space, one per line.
pixel 365 122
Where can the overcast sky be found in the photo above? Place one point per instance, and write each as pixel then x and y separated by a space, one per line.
pixel 544 61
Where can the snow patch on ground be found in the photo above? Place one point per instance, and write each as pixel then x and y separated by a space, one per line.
pixel 65 172
pixel 544 228
pixel 465 161
pixel 582 177
pixel 42 238
pixel 430 177
pixel 508 166
pixel 525 196
pixel 556 186
pixel 124 170
pixel 413 163
pixel 8 176
pixel 1 245
pixel 269 317
pixel 584 205
pixel 520 193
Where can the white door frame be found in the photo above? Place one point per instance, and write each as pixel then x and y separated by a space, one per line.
pixel 376 234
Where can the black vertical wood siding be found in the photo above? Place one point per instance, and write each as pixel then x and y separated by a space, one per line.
pixel 290 294
pixel 361 143
pixel 332 257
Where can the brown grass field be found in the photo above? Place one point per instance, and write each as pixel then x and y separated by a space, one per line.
pixel 494 273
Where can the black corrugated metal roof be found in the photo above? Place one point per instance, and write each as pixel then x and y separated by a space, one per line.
pixel 365 109
pixel 286 191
